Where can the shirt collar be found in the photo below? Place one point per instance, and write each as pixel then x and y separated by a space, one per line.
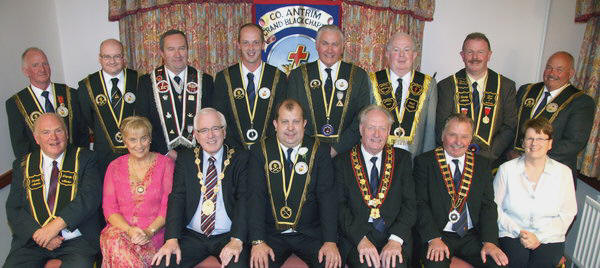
pixel 47 160
pixel 449 158
pixel 181 75
pixel 333 67
pixel 108 77
pixel 367 156
pixel 295 148
pixel 39 90
pixel 548 166
pixel 557 91
pixel 218 156
pixel 394 76
pixel 480 81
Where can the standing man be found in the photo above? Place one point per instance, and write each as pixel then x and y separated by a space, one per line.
pixel 206 214
pixel 378 207
pixel 457 214
pixel 410 96
pixel 485 96
pixel 293 199
pixel 52 207
pixel 247 92
pixel 106 98
pixel 171 95
pixel 568 109
pixel 332 91
pixel 41 96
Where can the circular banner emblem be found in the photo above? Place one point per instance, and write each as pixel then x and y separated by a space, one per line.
pixel 119 137
pixel 275 166
pixel 62 110
pixel 129 97
pixel 238 93
pixel 101 100
pixel 341 84
pixel 264 93
pixel 301 168
pixel 315 83
pixel 191 88
pixel 252 134
pixel 327 130
pixel 552 107
pixel 33 116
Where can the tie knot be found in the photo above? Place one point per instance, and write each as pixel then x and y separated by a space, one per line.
pixel 374 160
pixel 400 81
pixel 45 93
pixel 250 76
pixel 474 86
pixel 289 152
pixel 328 70
pixel 177 79
pixel 547 94
pixel 455 161
pixel 54 163
pixel 212 160
pixel 114 81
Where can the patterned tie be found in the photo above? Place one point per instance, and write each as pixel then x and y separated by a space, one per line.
pixel 475 100
pixel 378 223
pixel 210 181
pixel 47 104
pixel 177 100
pixel 251 90
pixel 53 183
pixel 398 93
pixel 288 160
pixel 115 97
pixel 328 83
pixel 542 105
pixel 460 227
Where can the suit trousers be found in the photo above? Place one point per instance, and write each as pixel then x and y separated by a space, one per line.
pixel 546 255
pixel 305 247
pixel 195 247
pixel 76 252
pixel 467 248
pixel 379 240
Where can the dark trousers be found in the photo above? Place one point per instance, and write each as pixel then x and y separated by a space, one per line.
pixel 305 247
pixel 379 240
pixel 196 247
pixel 467 248
pixel 546 255
pixel 76 252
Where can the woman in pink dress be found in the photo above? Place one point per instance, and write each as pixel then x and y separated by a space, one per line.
pixel 136 189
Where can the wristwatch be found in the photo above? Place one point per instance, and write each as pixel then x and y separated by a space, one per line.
pixel 256 242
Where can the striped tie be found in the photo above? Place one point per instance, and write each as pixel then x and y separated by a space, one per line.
pixel 210 181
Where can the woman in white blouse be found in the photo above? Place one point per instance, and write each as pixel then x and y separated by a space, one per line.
pixel 536 201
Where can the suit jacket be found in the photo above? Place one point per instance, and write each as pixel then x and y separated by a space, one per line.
pixel 572 127
pixel 506 117
pixel 92 120
pixel 398 210
pixel 21 136
pixel 221 102
pixel 433 200
pixel 359 98
pixel 81 213
pixel 318 211
pixel 184 198
pixel 146 106
pixel 424 139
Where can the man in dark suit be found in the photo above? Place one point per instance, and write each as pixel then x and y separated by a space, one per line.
pixel 48 221
pixel 409 95
pixel 106 98
pixel 487 97
pixel 333 92
pixel 377 208
pixel 453 220
pixel 206 213
pixel 247 92
pixel 41 96
pixel 293 199
pixel 568 109
pixel 171 95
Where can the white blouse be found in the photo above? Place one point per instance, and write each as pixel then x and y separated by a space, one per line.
pixel 547 211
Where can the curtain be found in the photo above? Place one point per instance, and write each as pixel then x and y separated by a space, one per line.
pixel 212 26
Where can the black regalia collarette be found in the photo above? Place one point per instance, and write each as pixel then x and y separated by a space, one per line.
pixel 251 125
pixel 109 119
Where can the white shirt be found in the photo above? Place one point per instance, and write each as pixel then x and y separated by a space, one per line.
pixel 108 83
pixel 547 211
pixel 334 72
pixel 257 76
pixel 369 165
pixel 406 79
pixel 47 172
pixel 553 95
pixel 41 100
pixel 461 164
pixel 293 159
pixel 481 83
pixel 222 220
pixel 182 75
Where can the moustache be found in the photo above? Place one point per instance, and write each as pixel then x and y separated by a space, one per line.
pixel 475 61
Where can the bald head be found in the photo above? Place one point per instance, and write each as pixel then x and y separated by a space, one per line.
pixel 36 67
pixel 559 70
pixel 50 133
pixel 111 56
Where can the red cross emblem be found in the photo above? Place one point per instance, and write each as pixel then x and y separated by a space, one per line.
pixel 299 56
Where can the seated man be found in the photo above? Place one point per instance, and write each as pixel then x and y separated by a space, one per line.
pixel 293 200
pixel 453 220
pixel 49 219
pixel 206 214
pixel 377 208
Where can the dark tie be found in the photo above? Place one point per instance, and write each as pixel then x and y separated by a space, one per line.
pixel 251 90
pixel 177 100
pixel 288 160
pixel 115 97
pixel 378 223
pixel 208 221
pixel 177 79
pixel 398 93
pixel 53 183
pixel 47 104
pixel 460 227
pixel 475 100
pixel 542 105
pixel 457 175
pixel 328 83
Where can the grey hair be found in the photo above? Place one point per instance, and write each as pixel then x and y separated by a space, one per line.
pixel 330 27
pixel 373 107
pixel 460 118
pixel 209 110
pixel 112 40
pixel 46 115
pixel 398 35
pixel 29 49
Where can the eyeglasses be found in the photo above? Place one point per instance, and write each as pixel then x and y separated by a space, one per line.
pixel 205 130
pixel 531 140
pixel 115 57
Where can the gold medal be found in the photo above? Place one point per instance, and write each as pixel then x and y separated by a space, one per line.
pixel 485 120
pixel 101 100
pixel 275 166
pixel 208 206
pixel 551 107
pixel 285 212
pixel 374 213
pixel 140 189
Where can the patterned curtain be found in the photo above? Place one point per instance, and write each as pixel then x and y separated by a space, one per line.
pixel 212 28
pixel 588 79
